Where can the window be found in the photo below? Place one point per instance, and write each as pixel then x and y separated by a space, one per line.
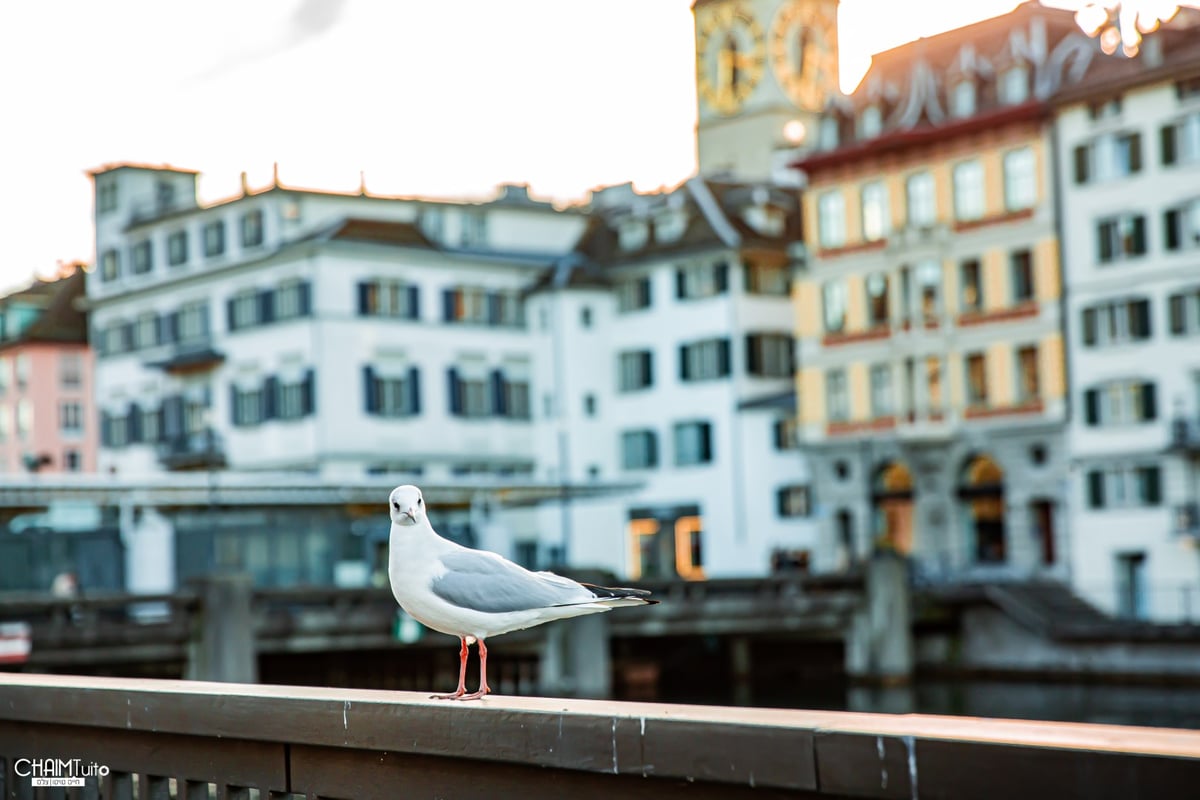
pixel 1180 141
pixel 1123 487
pixel 962 103
pixel 110 265
pixel 291 300
pixel 1181 226
pixel 870 122
pixel 933 384
pixel 70 418
pixel 193 321
pixel 177 248
pixel 639 449
pixel 768 279
pixel 828 133
pixel 875 221
pixel 585 317
pixel 693 443
pixel 1108 157
pixel 252 228
pixel 244 309
pixel 394 393
pixel 922 202
pixel 589 405
pixel 878 304
pixel 882 399
pixel 968 191
pixel 21 368
pixel 670 226
pixel 704 360
pixel 831 219
pixel 151 424
pixel 5 424
pixel 1020 179
pixel 785 434
pixel 1104 109
pixel 390 298
pixel 106 197
pixel 635 370
pixel 793 501
pixel 1117 322
pixel 1120 403
pixel 977 390
pixel 72 462
pixel 294 398
pixel 1120 237
pixel 5 375
pixel 115 338
pixel 929 283
pixel 143 257
pixel 633 294
pixel 24 419
pixel 1029 384
pixel 905 302
pixel 1183 313
pixel 697 281
pixel 214 239
pixel 511 395
pixel 474 229
pixel 834 293
pixel 70 371
pixel 972 286
pixel 248 406
pixel 476 305
pixel 769 355
pixel 1014 85
pixel 1020 264
pixel 145 330
pixel 837 395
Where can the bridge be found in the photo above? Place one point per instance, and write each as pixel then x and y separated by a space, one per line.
pixel 197 740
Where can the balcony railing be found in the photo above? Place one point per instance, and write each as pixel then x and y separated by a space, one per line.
pixel 196 450
pixel 196 740
pixel 1185 435
pixel 188 356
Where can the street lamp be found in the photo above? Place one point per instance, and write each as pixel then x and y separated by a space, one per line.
pixel 1123 23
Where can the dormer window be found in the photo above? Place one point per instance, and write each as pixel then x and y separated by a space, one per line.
pixel 962 102
pixel 633 234
pixel 870 123
pixel 1105 109
pixel 669 226
pixel 828 135
pixel 1014 85
pixel 767 220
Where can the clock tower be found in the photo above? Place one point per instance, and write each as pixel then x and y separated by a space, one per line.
pixel 764 70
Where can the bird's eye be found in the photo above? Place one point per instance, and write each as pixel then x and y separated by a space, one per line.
pixel 419 501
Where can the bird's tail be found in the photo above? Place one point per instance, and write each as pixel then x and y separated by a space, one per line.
pixel 615 596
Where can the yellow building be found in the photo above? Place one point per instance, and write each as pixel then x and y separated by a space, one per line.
pixel 932 376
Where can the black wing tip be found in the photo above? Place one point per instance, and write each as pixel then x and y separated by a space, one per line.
pixel 617 592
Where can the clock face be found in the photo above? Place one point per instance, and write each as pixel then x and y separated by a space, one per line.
pixel 804 52
pixel 731 56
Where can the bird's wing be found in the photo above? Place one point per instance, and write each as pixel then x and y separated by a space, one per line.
pixel 483 581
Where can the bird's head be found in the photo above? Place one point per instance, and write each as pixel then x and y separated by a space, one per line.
pixel 406 505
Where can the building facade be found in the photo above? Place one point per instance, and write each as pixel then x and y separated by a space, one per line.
pixel 932 375
pixel 1129 164
pixel 47 419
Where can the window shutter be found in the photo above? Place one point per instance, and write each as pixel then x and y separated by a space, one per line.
pixel 647 364
pixel 230 320
pixel 308 393
pixel 499 407
pixel 172 419
pixel 1151 485
pixel 651 449
pixel 133 423
pixel 1140 311
pixel 414 302
pixel 449 305
pixel 455 391
pixel 781 502
pixel 105 429
pixel 1149 402
pixel 160 324
pixel 305 290
pixel 364 298
pixel 1176 313
pixel 493 308
pixel 680 283
pixel 704 430
pixel 234 417
pixel 172 328
pixel 721 276
pixel 370 396
pixel 753 364
pixel 1135 152
pixel 1167 133
pixel 1091 407
pixel 1173 228
pixel 414 390
pixel 270 390
pixel 1081 164
pixel 1139 235
pixel 1089 327
pixel 1095 489
pixel 266 306
pixel 684 369
pixel 723 359
pixel 1104 242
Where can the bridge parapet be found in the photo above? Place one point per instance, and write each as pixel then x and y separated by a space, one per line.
pixel 176 738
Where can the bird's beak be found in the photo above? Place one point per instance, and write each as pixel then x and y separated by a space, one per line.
pixel 411 514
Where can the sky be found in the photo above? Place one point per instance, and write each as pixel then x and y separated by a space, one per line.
pixel 443 99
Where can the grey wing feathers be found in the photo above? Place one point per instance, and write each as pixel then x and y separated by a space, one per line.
pixel 483 581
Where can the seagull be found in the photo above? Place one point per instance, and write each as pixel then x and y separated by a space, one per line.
pixel 474 594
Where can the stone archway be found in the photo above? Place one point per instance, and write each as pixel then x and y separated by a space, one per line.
pixel 981 494
pixel 892 507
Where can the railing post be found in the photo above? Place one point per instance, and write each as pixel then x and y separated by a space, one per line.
pixel 879 642
pixel 223 643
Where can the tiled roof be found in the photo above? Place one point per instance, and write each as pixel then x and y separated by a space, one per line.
pixel 378 231
pixel 60 320
pixel 112 167
pixel 1172 53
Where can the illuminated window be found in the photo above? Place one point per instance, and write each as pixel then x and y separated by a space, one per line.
pixel 878 302
pixel 977 389
pixel 689 554
pixel 972 287
pixel 875 223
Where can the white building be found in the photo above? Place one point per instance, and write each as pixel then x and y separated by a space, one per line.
pixel 1128 141
pixel 347 335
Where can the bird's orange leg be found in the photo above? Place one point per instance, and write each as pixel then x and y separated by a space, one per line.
pixel 462 673
pixel 483 684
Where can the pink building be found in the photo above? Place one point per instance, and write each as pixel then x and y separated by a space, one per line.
pixel 47 419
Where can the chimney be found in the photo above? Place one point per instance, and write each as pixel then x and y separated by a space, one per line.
pixel 245 185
